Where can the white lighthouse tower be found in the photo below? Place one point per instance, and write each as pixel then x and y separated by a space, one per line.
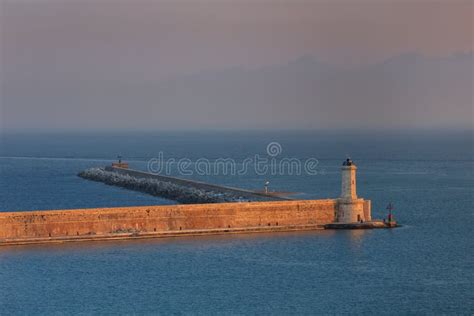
pixel 350 208
pixel 348 183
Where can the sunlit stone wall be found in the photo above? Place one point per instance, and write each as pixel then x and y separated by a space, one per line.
pixel 149 219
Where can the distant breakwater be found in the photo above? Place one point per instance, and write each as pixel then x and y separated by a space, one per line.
pixel 182 191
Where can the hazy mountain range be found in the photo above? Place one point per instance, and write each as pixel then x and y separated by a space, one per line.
pixel 408 90
pixel 405 91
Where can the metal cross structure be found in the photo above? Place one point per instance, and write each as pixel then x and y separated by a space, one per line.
pixel 390 207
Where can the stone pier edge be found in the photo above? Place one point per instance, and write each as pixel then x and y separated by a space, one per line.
pixel 57 226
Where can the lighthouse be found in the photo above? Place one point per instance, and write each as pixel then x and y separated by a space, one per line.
pixel 348 180
pixel 351 209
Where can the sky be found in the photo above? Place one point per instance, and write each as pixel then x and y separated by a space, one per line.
pixel 110 64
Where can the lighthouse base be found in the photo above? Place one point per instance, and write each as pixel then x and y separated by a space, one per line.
pixel 353 210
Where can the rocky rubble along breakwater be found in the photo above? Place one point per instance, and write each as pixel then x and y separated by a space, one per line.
pixel 168 190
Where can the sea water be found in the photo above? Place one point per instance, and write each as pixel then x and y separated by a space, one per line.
pixel 423 267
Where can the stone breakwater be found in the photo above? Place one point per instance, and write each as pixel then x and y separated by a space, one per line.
pixel 180 190
pixel 209 214
pixel 163 221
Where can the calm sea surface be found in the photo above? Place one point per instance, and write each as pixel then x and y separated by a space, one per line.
pixel 425 267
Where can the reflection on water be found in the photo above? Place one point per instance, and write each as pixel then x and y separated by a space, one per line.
pixel 356 237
